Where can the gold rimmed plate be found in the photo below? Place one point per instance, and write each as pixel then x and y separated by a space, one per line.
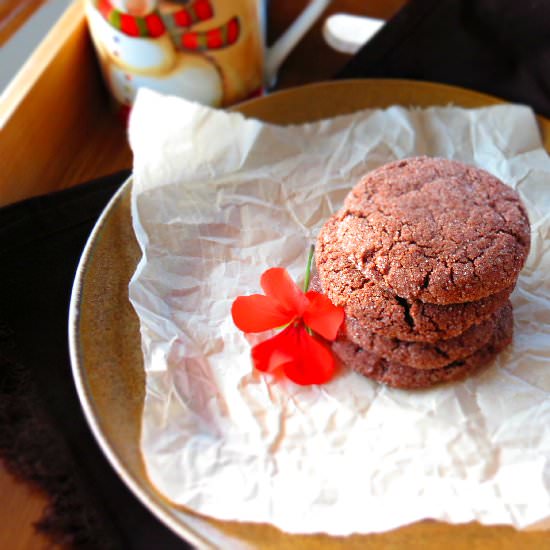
pixel 106 349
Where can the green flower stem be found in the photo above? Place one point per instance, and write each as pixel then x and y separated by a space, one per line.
pixel 308 268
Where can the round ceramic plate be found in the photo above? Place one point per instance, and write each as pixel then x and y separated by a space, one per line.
pixel 106 351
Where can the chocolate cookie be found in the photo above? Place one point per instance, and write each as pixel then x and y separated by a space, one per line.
pixel 421 355
pixel 400 376
pixel 381 311
pixel 435 230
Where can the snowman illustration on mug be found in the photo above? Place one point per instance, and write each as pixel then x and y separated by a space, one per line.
pixel 210 51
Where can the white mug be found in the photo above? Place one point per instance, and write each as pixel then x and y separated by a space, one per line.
pixel 210 51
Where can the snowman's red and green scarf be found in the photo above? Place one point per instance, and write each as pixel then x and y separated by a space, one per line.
pixel 156 24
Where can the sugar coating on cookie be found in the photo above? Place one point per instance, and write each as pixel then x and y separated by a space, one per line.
pixel 379 310
pixel 435 230
pixel 424 355
pixel 397 375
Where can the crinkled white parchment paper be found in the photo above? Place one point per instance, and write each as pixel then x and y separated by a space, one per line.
pixel 217 199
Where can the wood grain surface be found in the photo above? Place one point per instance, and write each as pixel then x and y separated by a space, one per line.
pixel 57 129
pixel 21 506
pixel 13 13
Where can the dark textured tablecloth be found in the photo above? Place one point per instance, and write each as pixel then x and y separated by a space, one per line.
pixel 43 434
pixel 500 47
pixel 496 46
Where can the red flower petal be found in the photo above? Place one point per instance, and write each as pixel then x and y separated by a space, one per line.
pixel 257 313
pixel 322 316
pixel 314 363
pixel 271 354
pixel 277 284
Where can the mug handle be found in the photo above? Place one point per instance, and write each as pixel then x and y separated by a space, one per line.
pixel 277 53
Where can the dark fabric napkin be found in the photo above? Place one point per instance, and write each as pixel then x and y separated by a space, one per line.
pixel 43 434
pixel 500 47
pixel 496 46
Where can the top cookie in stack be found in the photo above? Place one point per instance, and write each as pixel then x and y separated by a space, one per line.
pixel 423 257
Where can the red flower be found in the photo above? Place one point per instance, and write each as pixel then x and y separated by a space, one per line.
pixel 309 318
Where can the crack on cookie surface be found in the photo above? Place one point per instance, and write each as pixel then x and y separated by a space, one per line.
pixel 406 311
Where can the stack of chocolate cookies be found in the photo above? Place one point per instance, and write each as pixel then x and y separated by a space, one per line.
pixel 423 256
